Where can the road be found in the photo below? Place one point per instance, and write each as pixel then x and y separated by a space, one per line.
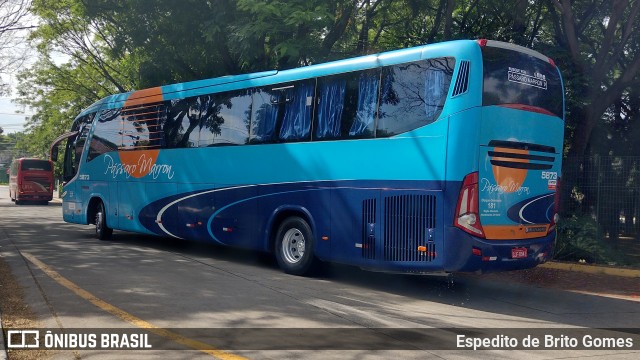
pixel 199 300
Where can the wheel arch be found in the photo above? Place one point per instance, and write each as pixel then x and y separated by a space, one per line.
pixel 92 208
pixel 279 215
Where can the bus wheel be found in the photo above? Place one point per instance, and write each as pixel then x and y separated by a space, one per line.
pixel 294 246
pixel 103 232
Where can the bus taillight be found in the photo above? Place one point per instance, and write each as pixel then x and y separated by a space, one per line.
pixel 467 210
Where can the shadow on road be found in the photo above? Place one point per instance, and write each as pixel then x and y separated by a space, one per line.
pixel 134 261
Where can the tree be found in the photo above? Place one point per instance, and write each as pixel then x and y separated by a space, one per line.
pixel 13 23
pixel 603 58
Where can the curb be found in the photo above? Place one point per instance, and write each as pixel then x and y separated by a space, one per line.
pixel 592 269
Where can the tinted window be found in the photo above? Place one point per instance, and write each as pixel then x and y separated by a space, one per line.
pixel 282 113
pixel 228 124
pixel 75 146
pixel 107 135
pixel 512 77
pixel 347 105
pixel 181 123
pixel 298 108
pixel 40 165
pixel 330 107
pixel 366 92
pixel 413 94
pixel 264 115
pixel 141 127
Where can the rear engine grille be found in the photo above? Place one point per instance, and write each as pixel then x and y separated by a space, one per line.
pixel 409 224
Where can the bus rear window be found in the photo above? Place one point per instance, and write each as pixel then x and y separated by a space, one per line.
pixel 35 165
pixel 518 79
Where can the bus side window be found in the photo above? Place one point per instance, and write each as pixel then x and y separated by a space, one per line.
pixel 228 123
pixel 330 107
pixel 298 108
pixel 366 93
pixel 181 123
pixel 107 135
pixel 141 126
pixel 264 115
pixel 413 95
pixel 282 112
pixel 347 105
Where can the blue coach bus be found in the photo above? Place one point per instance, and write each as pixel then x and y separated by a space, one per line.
pixel 443 157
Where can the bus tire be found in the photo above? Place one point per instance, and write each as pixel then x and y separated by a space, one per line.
pixel 294 246
pixel 103 232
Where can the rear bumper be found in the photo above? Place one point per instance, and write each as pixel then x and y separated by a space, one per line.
pixel 33 197
pixel 495 255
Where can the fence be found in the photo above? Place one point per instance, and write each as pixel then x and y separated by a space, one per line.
pixel 603 218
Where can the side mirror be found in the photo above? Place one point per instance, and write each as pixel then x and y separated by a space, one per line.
pixel 54 145
pixel 54 154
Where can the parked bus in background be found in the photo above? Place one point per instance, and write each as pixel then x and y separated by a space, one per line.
pixel 443 157
pixel 31 180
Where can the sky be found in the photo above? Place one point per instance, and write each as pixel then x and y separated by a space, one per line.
pixel 10 121
pixel 14 42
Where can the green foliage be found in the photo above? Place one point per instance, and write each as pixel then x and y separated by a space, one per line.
pixel 579 240
pixel 289 31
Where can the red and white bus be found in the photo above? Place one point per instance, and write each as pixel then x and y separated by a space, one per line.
pixel 31 180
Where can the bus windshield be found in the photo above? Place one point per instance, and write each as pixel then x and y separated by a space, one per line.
pixel 519 79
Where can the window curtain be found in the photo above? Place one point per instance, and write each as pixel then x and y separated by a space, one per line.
pixel 296 122
pixel 266 116
pixel 367 103
pixel 434 93
pixel 330 108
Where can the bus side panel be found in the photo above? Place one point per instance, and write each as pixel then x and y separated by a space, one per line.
pixel 90 189
pixel 397 228
pixel 72 204
pixel 355 220
pixel 157 190
pixel 192 211
pixel 462 146
pixel 304 199
pixel 131 198
pixel 232 219
pixel 113 220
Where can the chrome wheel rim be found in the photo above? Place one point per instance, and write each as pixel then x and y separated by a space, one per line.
pixel 99 220
pixel 293 246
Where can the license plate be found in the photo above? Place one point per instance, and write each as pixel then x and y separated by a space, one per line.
pixel 518 253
